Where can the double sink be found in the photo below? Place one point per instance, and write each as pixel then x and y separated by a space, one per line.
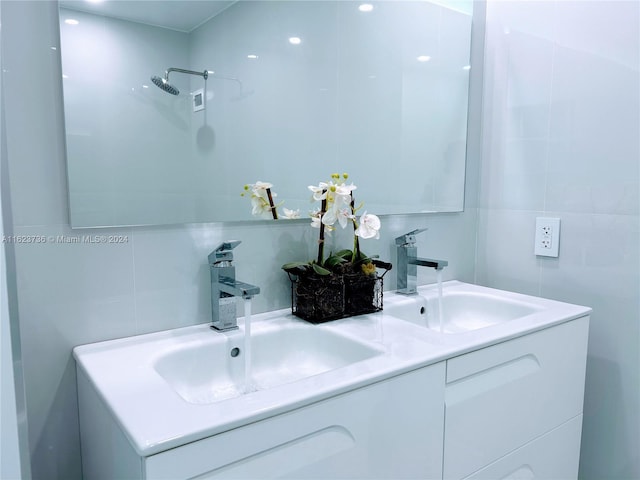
pixel 199 377
pixel 210 369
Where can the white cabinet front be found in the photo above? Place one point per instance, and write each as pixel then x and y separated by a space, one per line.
pixel 501 397
pixel 553 456
pixel 392 429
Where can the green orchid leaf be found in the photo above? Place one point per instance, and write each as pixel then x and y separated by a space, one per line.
pixel 320 270
pixel 363 258
pixel 345 254
pixel 333 261
pixel 290 265
pixel 296 268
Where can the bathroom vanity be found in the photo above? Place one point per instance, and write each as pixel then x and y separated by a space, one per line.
pixel 491 390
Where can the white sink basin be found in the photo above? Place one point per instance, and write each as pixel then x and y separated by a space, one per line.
pixel 462 311
pixel 206 370
pixel 171 388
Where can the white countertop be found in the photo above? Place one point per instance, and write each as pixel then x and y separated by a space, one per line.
pixel 155 418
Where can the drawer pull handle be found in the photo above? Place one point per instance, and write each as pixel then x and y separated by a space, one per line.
pixel 491 378
pixel 286 458
pixel 523 473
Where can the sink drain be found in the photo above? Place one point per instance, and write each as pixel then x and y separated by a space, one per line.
pixel 235 351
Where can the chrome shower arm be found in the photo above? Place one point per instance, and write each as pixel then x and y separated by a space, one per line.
pixel 163 83
pixel 204 74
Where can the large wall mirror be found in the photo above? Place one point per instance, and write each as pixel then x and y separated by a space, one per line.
pixel 294 91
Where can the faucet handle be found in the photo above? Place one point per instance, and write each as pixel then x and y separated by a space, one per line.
pixel 223 252
pixel 409 239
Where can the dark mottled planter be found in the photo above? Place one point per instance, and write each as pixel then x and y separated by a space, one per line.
pixel 319 299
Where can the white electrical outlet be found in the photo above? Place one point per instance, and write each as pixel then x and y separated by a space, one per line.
pixel 198 100
pixel 547 241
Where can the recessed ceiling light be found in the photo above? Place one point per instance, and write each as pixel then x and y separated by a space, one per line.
pixel 295 40
pixel 71 21
pixel 252 56
pixel 365 7
pixel 423 58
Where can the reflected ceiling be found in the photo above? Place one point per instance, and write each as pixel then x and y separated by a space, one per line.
pixel 183 15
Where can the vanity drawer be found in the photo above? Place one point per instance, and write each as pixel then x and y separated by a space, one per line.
pixel 391 429
pixel 501 397
pixel 554 455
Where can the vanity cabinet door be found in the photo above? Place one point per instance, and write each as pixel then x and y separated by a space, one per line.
pixel 554 455
pixel 501 397
pixel 392 429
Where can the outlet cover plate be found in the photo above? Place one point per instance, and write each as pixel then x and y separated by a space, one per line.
pixel 198 100
pixel 547 239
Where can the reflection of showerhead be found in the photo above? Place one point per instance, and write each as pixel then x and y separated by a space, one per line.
pixel 165 85
pixel 163 82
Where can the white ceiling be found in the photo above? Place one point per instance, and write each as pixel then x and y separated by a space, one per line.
pixel 181 15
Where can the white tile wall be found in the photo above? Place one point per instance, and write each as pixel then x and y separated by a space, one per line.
pixel 561 125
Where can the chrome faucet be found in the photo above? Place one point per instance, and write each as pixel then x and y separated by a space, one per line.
pixel 225 288
pixel 408 262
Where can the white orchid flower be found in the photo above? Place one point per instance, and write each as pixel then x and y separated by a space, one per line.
pixel 291 214
pixel 259 198
pixel 260 186
pixel 339 193
pixel 319 192
pixel 343 208
pixel 369 226
pixel 260 205
pixel 339 209
pixel 342 214
pixel 345 190
pixel 315 218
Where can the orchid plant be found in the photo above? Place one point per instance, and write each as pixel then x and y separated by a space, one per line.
pixel 262 203
pixel 337 207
